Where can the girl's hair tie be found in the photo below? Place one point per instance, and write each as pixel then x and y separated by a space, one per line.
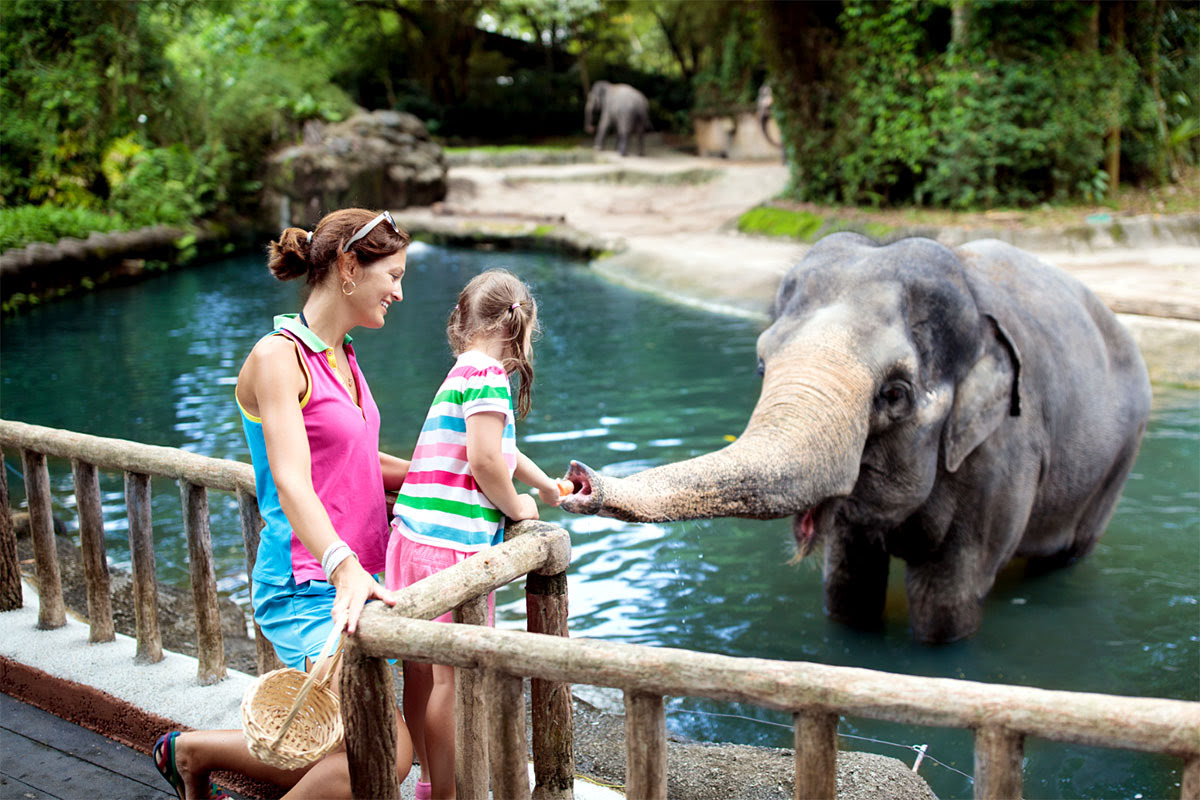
pixel 309 237
pixel 514 306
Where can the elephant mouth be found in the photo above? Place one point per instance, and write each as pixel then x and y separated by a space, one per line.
pixel 583 498
pixel 804 531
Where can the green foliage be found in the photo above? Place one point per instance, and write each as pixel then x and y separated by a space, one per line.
pixel 75 76
pixel 889 110
pixel 166 185
pixel 772 221
pixel 22 225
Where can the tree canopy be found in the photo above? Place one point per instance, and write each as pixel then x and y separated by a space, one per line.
pixel 163 110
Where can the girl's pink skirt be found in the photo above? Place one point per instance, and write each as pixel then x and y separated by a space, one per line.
pixel 409 562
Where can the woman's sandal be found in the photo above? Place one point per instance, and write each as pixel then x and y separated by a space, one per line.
pixel 164 759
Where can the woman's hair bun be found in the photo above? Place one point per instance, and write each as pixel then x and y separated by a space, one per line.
pixel 288 257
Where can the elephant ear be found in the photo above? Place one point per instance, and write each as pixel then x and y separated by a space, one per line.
pixel 990 391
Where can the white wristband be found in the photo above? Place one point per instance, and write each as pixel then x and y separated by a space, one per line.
pixel 334 555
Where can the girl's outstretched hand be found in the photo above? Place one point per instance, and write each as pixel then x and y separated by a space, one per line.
pixel 355 587
pixel 553 492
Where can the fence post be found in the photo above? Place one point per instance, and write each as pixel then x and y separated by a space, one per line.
pixel 369 715
pixel 1190 785
pixel 10 566
pixel 507 746
pixel 210 645
pixel 145 582
pixel 93 551
pixel 645 746
pixel 52 612
pixel 998 756
pixel 252 523
pixel 815 754
pixel 470 715
pixel 550 701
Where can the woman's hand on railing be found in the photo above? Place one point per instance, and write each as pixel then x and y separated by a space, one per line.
pixel 355 587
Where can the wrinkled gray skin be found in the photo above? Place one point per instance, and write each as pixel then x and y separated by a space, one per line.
pixel 955 409
pixel 619 105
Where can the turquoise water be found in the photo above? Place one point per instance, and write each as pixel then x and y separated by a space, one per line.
pixel 626 381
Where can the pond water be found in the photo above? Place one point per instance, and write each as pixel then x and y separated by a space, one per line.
pixel 627 381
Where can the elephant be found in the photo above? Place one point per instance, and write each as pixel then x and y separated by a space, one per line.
pixel 955 409
pixel 622 105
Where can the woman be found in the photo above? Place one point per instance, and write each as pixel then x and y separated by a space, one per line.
pixel 313 431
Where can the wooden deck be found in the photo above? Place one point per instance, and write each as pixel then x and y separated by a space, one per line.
pixel 42 756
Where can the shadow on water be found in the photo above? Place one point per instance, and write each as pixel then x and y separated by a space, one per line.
pixel 624 382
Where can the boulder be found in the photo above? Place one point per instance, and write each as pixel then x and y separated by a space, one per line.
pixel 374 159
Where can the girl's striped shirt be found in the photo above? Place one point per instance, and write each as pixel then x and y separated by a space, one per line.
pixel 440 503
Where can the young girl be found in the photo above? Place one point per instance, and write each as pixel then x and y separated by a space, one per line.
pixel 459 486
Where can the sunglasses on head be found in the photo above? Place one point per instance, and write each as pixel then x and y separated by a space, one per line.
pixel 370 226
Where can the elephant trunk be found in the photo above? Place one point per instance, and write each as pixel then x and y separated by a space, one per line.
pixel 803 444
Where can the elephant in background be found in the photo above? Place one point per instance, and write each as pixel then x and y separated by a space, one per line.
pixel 955 409
pixel 621 105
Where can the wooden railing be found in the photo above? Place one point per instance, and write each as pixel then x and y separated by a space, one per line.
pixel 816 694
pixel 490 730
pixel 89 454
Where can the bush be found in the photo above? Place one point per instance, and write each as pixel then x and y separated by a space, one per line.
pixel 166 185
pixel 22 225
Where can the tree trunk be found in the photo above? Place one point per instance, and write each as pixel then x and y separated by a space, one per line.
pixel 1117 35
pixel 960 23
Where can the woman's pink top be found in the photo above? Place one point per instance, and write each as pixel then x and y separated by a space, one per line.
pixel 343 439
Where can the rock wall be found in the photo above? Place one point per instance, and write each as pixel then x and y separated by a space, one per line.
pixel 375 159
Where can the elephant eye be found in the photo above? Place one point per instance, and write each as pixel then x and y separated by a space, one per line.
pixel 762 368
pixel 894 392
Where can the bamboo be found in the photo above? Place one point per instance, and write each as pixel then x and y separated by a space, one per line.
pixel 93 551
pixel 645 746
pixel 10 565
pixel 252 523
pixel 120 455
pixel 145 582
pixel 998 757
pixel 369 713
pixel 1131 723
pixel 210 644
pixel 507 746
pixel 815 754
pixel 52 611
pixel 550 701
pixel 470 713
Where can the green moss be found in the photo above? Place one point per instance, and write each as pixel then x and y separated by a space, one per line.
pixel 544 230
pixel 877 230
pixel 771 221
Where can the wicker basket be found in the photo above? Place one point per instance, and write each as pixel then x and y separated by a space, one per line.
pixel 290 718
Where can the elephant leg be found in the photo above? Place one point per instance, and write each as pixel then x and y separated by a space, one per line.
pixel 641 134
pixel 602 130
pixel 945 594
pixel 622 137
pixel 856 572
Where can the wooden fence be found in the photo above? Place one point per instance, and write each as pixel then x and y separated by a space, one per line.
pixel 490 730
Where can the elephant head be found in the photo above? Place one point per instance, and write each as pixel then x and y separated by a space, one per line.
pixel 880 376
pixel 595 103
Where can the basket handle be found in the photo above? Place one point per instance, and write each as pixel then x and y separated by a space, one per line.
pixel 335 635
